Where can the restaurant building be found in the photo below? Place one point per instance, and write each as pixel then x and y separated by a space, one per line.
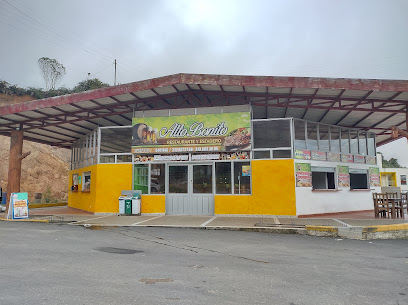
pixel 226 145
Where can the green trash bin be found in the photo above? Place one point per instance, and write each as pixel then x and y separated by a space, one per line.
pixel 128 206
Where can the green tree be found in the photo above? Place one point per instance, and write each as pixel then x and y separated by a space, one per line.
pixel 52 72
pixel 391 163
pixel 89 84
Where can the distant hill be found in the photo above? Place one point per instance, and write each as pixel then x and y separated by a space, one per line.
pixel 45 170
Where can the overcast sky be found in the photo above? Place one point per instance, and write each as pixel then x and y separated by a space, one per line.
pixel 320 38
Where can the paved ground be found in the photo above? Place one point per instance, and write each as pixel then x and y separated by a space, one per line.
pixel 62 264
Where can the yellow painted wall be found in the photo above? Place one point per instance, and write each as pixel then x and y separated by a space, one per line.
pixel 107 182
pixel 153 204
pixel 83 200
pixel 273 191
pixel 110 181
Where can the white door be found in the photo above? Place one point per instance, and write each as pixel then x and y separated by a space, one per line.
pixel 190 189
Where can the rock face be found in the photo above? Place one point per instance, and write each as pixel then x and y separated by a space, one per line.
pixel 45 170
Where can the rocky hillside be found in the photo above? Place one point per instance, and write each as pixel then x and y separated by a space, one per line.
pixel 45 170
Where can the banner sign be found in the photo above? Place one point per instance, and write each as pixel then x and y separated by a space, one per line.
pixel 18 207
pixel 374 173
pixel 302 154
pixel 359 159
pixel 334 157
pixel 192 133
pixel 343 176
pixel 303 175
pixel 319 155
pixel 371 160
pixel 347 158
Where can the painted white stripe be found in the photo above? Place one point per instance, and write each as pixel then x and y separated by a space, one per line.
pixel 74 222
pixel 344 224
pixel 208 221
pixel 136 223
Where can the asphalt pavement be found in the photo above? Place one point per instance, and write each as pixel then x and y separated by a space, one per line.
pixel 60 264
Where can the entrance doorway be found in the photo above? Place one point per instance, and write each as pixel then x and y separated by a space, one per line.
pixel 190 189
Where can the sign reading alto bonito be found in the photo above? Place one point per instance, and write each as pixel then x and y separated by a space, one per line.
pixel 192 133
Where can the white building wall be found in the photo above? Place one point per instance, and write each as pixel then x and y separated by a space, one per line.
pixel 397 171
pixel 310 201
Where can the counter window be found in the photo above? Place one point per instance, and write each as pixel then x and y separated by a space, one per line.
pixel 358 181
pixel 86 183
pixel 157 179
pixel 323 178
pixel 242 178
pixel 223 177
pixel 140 178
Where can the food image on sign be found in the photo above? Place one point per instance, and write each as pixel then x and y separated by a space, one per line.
pixel 303 175
pixel 343 176
pixel 192 133
pixel 374 173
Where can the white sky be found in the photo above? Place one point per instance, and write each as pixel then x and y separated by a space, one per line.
pixel 320 38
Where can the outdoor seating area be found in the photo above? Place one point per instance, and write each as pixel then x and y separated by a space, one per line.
pixel 390 205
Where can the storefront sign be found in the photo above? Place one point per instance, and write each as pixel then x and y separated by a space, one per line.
pixel 403 179
pixel 348 158
pixel 246 170
pixel 302 154
pixel 205 157
pixel 169 158
pixel 18 208
pixel 374 176
pixel 334 157
pixel 371 160
pixel 359 159
pixel 192 133
pixel 343 176
pixel 303 175
pixel 319 155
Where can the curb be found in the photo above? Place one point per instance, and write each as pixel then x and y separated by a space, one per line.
pixel 46 205
pixel 26 220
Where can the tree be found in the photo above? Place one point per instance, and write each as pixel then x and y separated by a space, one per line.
pixel 89 84
pixel 391 163
pixel 52 72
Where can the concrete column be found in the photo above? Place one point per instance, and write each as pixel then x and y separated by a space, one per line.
pixel 14 171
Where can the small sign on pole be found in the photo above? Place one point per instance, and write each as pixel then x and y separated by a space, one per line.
pixel 18 207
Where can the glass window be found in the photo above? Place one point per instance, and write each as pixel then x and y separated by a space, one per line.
pixel 242 178
pixel 272 134
pixel 334 139
pixel 223 177
pixel 353 142
pixel 300 139
pixel 107 159
pixel 324 137
pixel 202 179
pixel 116 140
pixel 403 179
pixel 371 144
pixel 312 131
pixel 323 180
pixel 282 154
pixel 86 183
pixel 140 178
pixel 157 178
pixel 358 181
pixel 345 144
pixel 362 142
pixel 262 154
pixel 124 159
pixel 178 179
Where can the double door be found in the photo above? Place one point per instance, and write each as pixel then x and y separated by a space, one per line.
pixel 190 189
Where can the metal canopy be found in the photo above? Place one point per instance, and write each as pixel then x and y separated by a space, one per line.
pixel 372 105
